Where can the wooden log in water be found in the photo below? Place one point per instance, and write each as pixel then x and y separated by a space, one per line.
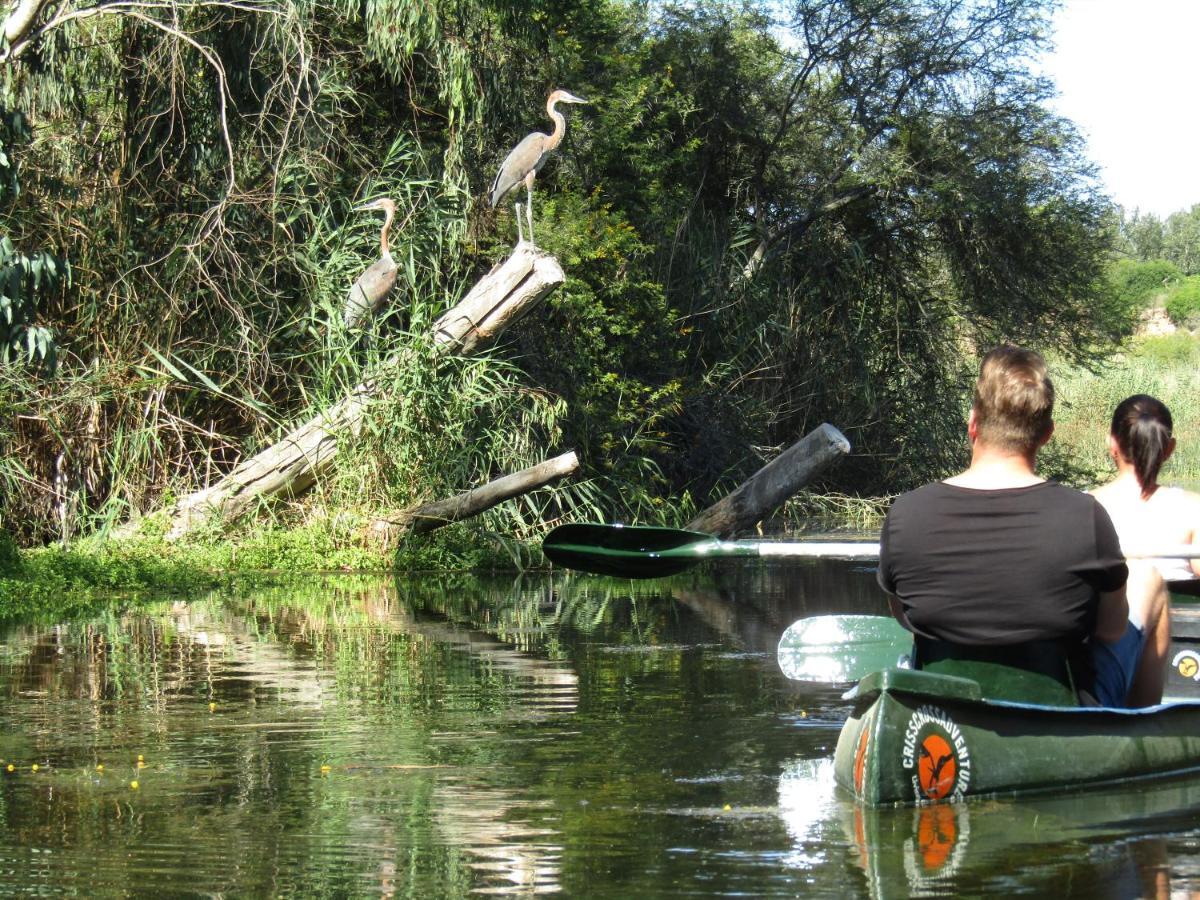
pixel 295 462
pixel 429 516
pixel 768 488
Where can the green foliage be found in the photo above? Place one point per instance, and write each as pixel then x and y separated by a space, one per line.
pixel 760 232
pixel 10 556
pixel 835 272
pixel 1140 284
pixel 22 278
pixel 14 130
pixel 614 326
pixel 62 583
pixel 829 513
pixel 1183 302
pixel 1171 351
pixel 1142 236
pixel 1177 240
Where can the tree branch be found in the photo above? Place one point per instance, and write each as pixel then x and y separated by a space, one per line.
pixel 20 21
pixel 797 227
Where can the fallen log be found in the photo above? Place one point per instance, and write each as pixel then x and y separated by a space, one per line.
pixel 768 488
pixel 386 530
pixel 295 462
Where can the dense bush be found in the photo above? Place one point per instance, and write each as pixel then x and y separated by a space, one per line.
pixel 1183 302
pixel 1139 284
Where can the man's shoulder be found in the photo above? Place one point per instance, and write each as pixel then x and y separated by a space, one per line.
pixel 1050 493
pixel 926 490
pixel 916 495
pixel 925 499
pixel 1059 493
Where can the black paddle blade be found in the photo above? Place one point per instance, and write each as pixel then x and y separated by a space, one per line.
pixel 626 551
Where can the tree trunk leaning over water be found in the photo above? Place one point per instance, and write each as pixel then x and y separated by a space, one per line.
pixel 430 516
pixel 294 463
pixel 770 486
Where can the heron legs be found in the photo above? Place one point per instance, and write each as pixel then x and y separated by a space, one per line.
pixel 520 237
pixel 528 204
pixel 529 212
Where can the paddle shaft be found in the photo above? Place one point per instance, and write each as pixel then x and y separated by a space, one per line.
pixel 838 549
pixel 864 550
pixel 651 552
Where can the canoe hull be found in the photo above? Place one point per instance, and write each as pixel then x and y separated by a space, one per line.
pixel 918 737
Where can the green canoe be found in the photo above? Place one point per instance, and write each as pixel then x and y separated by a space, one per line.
pixel 922 737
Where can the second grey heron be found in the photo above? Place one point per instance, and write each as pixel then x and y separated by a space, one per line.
pixel 373 286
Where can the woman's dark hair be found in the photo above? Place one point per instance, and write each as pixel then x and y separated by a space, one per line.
pixel 1142 426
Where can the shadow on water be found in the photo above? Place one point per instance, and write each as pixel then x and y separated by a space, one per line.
pixel 456 735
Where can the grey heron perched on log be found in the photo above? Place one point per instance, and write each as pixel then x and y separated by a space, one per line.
pixel 373 286
pixel 526 159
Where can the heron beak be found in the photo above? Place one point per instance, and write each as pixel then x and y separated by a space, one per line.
pixel 571 98
pixel 363 207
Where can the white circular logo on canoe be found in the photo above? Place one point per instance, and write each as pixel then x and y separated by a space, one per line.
pixel 1187 664
pixel 935 755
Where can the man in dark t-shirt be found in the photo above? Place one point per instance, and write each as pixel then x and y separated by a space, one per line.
pixel 997 557
pixel 1003 566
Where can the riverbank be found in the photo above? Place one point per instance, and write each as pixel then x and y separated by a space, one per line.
pixel 70 580
pixel 57 580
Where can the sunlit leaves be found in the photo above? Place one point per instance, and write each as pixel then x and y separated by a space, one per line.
pixel 22 278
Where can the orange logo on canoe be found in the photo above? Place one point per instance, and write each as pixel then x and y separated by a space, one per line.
pixel 1187 664
pixel 937 769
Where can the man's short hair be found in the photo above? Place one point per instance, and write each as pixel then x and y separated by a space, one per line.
pixel 1014 399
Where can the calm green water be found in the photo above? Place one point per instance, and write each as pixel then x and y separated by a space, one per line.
pixel 451 736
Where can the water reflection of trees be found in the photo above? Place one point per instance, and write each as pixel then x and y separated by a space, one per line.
pixel 368 676
pixel 339 672
pixel 468 722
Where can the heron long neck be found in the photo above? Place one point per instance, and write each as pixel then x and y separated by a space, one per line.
pixel 389 213
pixel 560 127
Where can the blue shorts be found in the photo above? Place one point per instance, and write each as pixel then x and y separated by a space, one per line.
pixel 1115 665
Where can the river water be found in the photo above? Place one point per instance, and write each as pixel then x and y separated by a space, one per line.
pixel 445 736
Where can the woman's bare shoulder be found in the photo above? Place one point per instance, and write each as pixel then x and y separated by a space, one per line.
pixel 1190 499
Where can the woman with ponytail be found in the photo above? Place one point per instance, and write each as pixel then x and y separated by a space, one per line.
pixel 1147 515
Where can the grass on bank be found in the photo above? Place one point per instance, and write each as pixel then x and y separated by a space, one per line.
pixel 58 581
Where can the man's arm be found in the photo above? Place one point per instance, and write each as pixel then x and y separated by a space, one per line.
pixel 1112 616
pixel 883 574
